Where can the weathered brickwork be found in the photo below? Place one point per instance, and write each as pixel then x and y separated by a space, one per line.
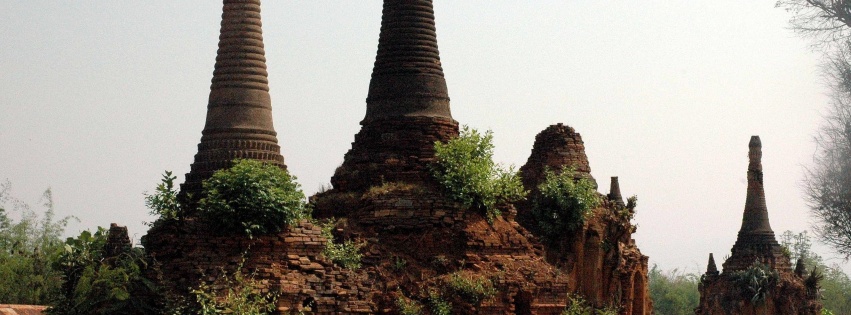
pixel 556 147
pixel 721 294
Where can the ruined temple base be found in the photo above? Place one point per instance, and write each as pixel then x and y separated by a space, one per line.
pixel 720 295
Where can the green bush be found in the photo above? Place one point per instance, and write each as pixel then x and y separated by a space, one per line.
pixel 346 254
pixel 28 247
pixel 252 197
pixel 438 305
pixel 563 203
pixel 408 307
pixel 97 284
pixel 578 306
pixel 241 296
pixel 756 281
pixel 471 288
pixel 163 203
pixel 465 168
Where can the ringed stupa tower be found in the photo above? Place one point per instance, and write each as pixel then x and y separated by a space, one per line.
pixel 239 111
pixel 756 240
pixel 407 107
pixel 734 290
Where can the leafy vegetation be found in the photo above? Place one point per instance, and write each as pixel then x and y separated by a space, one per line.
pixel 673 292
pixel 408 307
pixel 471 288
pixel 346 254
pixel 465 168
pixel 756 281
pixel 564 203
pixel 95 283
pixel 242 295
pixel 253 197
pixel 163 203
pixel 28 247
pixel 578 306
pixel 438 305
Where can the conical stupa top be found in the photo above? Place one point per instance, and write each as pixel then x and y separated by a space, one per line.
pixel 615 192
pixel 755 219
pixel 407 79
pixel 239 110
pixel 711 268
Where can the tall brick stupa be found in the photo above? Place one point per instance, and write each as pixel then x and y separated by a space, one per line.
pixel 407 107
pixel 734 291
pixel 239 111
pixel 756 240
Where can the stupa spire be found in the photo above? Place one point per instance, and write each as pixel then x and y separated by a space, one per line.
pixel 239 110
pixel 615 192
pixel 711 268
pixel 756 241
pixel 407 78
pixel 407 107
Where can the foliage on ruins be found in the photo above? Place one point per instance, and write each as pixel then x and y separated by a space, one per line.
pixel 470 287
pixel 233 294
pixel 163 203
pixel 27 248
pixel 465 168
pixel 673 292
pixel 95 283
pixel 252 197
pixel 564 203
pixel 407 306
pixel 827 183
pixel 756 282
pixel 578 306
pixel 346 254
pixel 438 305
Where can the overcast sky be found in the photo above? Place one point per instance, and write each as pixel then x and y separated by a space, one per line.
pixel 98 98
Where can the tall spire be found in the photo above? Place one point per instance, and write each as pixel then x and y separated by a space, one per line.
pixel 239 111
pixel 407 79
pixel 407 107
pixel 756 240
pixel 711 269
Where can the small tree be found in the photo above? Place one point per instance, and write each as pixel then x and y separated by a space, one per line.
pixel 252 197
pixel 564 203
pixel 465 168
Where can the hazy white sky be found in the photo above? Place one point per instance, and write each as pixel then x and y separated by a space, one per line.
pixel 97 98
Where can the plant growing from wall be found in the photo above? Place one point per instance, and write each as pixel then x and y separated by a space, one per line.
pixel 756 281
pixel 163 203
pixel 578 306
pixel 408 307
pixel 564 203
pixel 472 288
pixel 465 168
pixel 438 305
pixel 346 254
pixel 241 295
pixel 252 197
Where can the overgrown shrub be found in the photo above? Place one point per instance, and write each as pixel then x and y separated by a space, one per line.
pixel 28 247
pixel 346 254
pixel 97 284
pixel 438 305
pixel 465 168
pixel 163 203
pixel 673 292
pixel 578 306
pixel 408 307
pixel 563 203
pixel 471 288
pixel 242 295
pixel 756 281
pixel 252 197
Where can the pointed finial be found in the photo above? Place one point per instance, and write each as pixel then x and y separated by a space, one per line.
pixel 800 268
pixel 615 192
pixel 755 219
pixel 711 268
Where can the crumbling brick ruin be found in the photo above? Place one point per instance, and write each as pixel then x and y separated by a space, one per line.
pixel 725 293
pixel 415 239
